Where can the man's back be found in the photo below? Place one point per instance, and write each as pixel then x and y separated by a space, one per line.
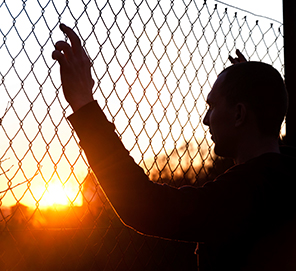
pixel 256 229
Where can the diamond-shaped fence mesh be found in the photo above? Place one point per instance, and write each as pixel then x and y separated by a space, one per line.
pixel 154 63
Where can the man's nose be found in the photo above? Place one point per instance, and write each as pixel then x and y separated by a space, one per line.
pixel 206 119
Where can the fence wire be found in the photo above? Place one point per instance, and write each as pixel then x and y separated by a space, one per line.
pixel 154 63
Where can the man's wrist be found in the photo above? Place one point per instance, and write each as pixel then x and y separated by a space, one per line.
pixel 80 103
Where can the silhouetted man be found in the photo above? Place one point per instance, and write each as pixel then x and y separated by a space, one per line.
pixel 244 220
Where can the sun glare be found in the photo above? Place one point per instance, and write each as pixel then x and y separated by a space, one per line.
pixel 59 195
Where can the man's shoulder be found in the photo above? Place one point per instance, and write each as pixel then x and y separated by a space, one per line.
pixel 271 161
pixel 288 151
pixel 271 171
pixel 265 166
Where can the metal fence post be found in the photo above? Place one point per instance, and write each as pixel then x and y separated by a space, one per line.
pixel 289 19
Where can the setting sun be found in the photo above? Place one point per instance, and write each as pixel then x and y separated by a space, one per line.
pixel 58 194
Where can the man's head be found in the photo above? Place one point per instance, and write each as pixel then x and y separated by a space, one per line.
pixel 254 87
pixel 261 88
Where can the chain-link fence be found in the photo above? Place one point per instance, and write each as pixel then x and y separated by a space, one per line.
pixel 154 63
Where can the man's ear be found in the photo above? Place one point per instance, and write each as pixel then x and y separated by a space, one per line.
pixel 240 114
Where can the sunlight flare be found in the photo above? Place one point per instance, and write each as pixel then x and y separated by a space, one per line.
pixel 58 194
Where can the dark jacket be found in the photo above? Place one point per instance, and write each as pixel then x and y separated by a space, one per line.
pixel 244 220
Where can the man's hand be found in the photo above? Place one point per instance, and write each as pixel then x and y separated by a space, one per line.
pixel 239 59
pixel 75 70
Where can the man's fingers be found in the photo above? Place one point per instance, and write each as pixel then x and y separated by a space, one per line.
pixel 231 59
pixel 234 60
pixel 57 55
pixel 63 46
pixel 241 57
pixel 74 39
pixel 74 51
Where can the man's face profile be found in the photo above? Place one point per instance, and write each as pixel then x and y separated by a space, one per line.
pixel 220 119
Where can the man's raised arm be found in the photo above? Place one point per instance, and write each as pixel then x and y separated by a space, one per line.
pixel 148 207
